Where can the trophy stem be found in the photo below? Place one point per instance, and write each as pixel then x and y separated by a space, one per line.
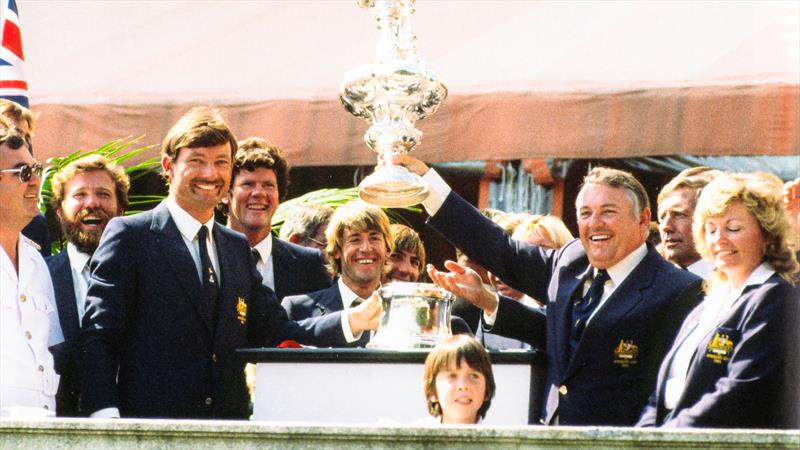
pixel 392 95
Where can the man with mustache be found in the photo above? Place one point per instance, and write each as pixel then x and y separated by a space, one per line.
pixel 173 295
pixel 614 305
pixel 676 203
pixel 87 193
pixel 259 182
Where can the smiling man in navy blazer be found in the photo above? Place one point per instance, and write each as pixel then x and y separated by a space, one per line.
pixel 87 193
pixel 359 241
pixel 259 182
pixel 173 294
pixel 613 304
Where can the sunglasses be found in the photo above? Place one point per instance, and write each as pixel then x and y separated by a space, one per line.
pixel 26 171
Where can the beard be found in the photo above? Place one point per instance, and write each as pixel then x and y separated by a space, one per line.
pixel 84 241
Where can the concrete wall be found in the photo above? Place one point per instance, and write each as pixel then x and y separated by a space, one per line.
pixel 200 435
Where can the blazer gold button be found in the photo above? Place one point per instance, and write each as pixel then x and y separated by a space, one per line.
pixel 562 390
pixel 209 401
pixel 28 335
pixel 23 298
pixel 214 357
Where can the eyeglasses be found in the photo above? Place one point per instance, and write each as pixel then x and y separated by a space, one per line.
pixel 26 171
pixel 321 244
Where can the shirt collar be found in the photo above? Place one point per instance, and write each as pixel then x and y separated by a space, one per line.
pixel 187 225
pixel 702 268
pixel 619 271
pixel 77 259
pixel 759 276
pixel 348 296
pixel 264 247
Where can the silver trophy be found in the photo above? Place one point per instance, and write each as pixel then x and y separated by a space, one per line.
pixel 413 315
pixel 392 94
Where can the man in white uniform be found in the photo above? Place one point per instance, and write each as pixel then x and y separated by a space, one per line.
pixel 28 318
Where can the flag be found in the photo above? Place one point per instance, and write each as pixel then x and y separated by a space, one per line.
pixel 12 79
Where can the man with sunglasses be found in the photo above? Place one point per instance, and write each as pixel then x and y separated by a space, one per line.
pixel 24 121
pixel 259 181
pixel 28 319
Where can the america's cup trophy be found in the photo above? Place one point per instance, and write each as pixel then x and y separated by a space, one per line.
pixel 392 94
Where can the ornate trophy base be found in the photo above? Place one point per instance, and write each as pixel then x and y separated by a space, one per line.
pixel 393 187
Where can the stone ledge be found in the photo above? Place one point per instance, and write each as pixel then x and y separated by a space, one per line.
pixel 200 435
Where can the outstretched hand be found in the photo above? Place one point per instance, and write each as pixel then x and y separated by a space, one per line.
pixel 465 283
pixel 365 316
pixel 412 164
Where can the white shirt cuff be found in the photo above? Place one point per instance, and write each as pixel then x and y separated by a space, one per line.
pixel 489 319
pixel 105 413
pixel 348 333
pixel 438 190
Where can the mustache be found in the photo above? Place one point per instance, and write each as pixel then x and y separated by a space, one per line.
pixel 99 212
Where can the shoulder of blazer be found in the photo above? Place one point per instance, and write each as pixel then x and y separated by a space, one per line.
pixel 295 251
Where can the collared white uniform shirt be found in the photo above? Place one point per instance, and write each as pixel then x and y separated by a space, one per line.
pixel 28 326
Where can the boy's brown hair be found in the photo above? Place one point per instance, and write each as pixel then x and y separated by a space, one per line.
pixel 452 352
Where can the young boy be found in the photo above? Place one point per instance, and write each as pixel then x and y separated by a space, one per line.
pixel 459 384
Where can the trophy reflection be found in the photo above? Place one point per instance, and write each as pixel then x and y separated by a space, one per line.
pixel 392 94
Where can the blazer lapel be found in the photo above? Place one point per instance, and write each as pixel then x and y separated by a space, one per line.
pixel 332 300
pixel 283 265
pixel 170 245
pixel 65 295
pixel 624 298
pixel 563 315
pixel 226 269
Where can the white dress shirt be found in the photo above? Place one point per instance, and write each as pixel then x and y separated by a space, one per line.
pixel 79 265
pixel 348 297
pixel 702 268
pixel 716 305
pixel 264 264
pixel 188 226
pixel 28 326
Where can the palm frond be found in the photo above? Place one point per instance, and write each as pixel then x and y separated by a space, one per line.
pixel 333 197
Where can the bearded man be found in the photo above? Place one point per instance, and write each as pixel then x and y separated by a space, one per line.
pixel 87 193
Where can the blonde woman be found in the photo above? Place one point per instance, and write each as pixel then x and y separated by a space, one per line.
pixel 734 362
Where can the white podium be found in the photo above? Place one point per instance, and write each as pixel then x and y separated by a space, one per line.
pixel 356 385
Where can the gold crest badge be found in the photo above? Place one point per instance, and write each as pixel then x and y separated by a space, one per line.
pixel 241 310
pixel 720 348
pixel 626 353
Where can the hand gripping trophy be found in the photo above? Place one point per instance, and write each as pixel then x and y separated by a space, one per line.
pixel 392 94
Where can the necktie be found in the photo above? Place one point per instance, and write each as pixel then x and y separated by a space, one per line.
pixel 584 306
pixel 256 258
pixel 209 278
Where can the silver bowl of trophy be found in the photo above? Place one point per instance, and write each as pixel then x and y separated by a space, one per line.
pixel 414 315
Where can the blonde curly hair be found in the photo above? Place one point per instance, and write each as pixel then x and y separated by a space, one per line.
pixel 762 195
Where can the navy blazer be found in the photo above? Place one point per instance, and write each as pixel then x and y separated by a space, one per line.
pixel 752 380
pixel 65 354
pixel 297 269
pixel 149 346
pixel 608 379
pixel 317 304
